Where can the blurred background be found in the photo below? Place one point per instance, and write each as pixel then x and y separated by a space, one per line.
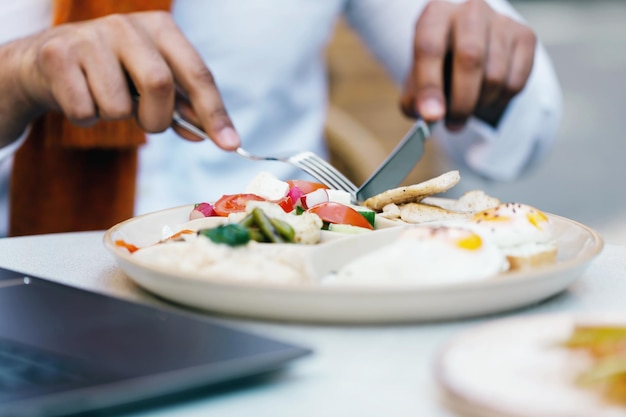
pixel 584 176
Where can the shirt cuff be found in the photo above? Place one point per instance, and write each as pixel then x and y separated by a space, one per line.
pixel 8 150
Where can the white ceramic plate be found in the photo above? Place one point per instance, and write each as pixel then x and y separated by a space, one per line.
pixel 515 368
pixel 578 245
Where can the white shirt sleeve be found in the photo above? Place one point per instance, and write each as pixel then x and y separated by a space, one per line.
pixel 7 150
pixel 526 130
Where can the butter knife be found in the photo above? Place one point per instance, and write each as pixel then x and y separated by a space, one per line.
pixel 398 164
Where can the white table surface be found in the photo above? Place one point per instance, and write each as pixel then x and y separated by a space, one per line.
pixel 383 370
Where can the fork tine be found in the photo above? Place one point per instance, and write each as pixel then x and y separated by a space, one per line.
pixel 346 184
pixel 321 176
pixel 342 182
pixel 314 171
pixel 307 161
pixel 338 180
pixel 328 173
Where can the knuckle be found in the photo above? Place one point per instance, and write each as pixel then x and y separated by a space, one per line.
pixel 118 22
pixel 470 55
pixel 162 18
pixel 53 53
pixel 203 75
pixel 65 46
pixel 428 47
pixel 522 33
pixel 528 37
pixel 159 82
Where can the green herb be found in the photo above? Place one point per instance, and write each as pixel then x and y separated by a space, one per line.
pixel 255 226
pixel 229 234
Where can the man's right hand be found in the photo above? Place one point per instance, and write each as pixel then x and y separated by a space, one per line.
pixel 83 70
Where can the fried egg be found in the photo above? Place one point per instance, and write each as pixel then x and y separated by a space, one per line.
pixel 523 232
pixel 428 256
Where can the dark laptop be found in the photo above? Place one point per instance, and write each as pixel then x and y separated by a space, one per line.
pixel 65 350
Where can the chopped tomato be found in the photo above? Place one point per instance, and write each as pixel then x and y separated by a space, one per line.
pixel 305 186
pixel 332 212
pixel 131 248
pixel 232 203
pixel 179 235
pixel 285 203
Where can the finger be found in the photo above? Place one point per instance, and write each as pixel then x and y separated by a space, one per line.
pixel 58 62
pixel 498 63
pixel 108 83
pixel 432 36
pixel 148 71
pixel 407 100
pixel 521 63
pixel 196 81
pixel 522 60
pixel 470 40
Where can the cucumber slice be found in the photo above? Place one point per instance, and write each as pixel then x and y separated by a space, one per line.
pixel 370 215
pixel 347 228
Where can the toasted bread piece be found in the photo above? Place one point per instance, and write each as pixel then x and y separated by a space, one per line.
pixel 390 211
pixel 421 213
pixel 531 256
pixel 414 193
pixel 470 202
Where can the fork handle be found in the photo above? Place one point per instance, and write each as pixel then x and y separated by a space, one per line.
pixel 180 122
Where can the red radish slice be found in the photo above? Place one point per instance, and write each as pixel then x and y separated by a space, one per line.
pixel 315 197
pixel 202 210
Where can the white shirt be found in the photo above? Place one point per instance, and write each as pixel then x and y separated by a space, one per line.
pixel 269 66
pixel 17 19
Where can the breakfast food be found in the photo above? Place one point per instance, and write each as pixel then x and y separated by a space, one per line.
pixel 290 202
pixel 606 346
pixel 440 209
pixel 522 232
pixel 201 257
pixel 414 193
pixel 227 237
pixel 425 256
pixel 418 213
pixel 427 208
pixel 472 238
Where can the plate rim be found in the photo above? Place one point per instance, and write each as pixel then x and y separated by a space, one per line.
pixel 463 402
pixel 510 278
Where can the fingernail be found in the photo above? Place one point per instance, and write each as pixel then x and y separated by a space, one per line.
pixel 228 137
pixel 431 109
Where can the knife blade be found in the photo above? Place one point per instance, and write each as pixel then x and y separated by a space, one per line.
pixel 398 164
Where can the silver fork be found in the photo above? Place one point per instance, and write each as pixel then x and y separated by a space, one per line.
pixel 307 161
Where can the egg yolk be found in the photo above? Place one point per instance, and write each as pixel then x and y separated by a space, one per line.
pixel 491 216
pixel 472 242
pixel 536 217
